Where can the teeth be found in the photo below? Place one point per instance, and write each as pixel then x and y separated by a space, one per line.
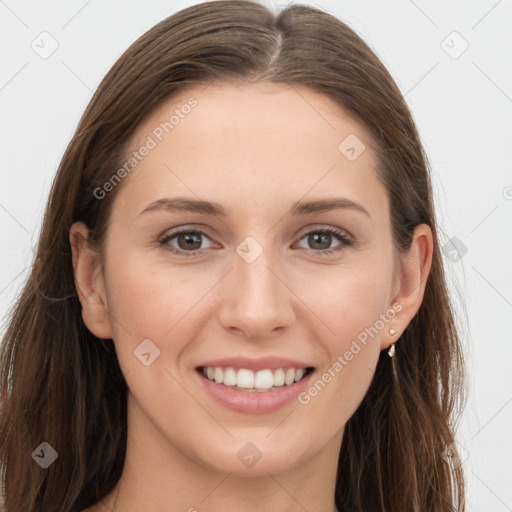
pixel 244 378
pixel 279 377
pixel 290 377
pixel 230 378
pixel 264 379
pixel 260 380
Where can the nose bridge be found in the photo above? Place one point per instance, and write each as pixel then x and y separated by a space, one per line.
pixel 253 271
pixel 259 301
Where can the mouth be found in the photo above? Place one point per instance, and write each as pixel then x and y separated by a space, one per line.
pixel 259 391
pixel 246 380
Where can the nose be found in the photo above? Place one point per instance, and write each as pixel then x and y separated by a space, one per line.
pixel 257 302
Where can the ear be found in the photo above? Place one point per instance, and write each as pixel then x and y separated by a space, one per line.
pixel 410 282
pixel 89 282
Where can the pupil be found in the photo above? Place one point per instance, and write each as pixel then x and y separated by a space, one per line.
pixel 189 238
pixel 320 236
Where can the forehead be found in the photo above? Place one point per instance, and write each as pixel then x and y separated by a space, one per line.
pixel 279 114
pixel 255 143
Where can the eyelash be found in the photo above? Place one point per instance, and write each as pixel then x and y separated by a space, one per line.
pixel 341 235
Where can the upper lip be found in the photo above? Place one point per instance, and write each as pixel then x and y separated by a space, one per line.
pixel 263 363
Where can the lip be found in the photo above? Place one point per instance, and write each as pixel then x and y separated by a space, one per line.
pixel 256 402
pixel 263 363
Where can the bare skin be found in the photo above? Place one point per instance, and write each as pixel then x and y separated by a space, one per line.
pixel 257 150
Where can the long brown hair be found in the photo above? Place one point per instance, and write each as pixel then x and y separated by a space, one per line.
pixel 62 385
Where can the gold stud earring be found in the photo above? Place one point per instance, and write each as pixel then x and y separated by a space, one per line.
pixel 391 351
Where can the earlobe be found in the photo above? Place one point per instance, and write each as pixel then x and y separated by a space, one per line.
pixel 89 282
pixel 412 274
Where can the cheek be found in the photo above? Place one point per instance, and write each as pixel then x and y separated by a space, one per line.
pixel 147 296
pixel 139 300
pixel 354 309
pixel 352 303
pixel 155 301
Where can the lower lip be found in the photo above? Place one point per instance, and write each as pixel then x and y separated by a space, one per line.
pixel 255 402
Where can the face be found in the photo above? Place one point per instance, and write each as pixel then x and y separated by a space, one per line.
pixel 267 287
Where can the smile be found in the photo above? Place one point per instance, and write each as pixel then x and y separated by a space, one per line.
pixel 243 379
pixel 248 391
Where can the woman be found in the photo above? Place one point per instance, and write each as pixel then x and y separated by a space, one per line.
pixel 301 354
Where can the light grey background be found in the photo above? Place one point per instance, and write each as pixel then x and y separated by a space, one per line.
pixel 462 104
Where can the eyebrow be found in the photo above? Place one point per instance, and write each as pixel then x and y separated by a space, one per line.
pixel 185 204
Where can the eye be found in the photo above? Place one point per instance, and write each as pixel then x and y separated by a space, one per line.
pixel 189 241
pixel 321 240
pixel 186 239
